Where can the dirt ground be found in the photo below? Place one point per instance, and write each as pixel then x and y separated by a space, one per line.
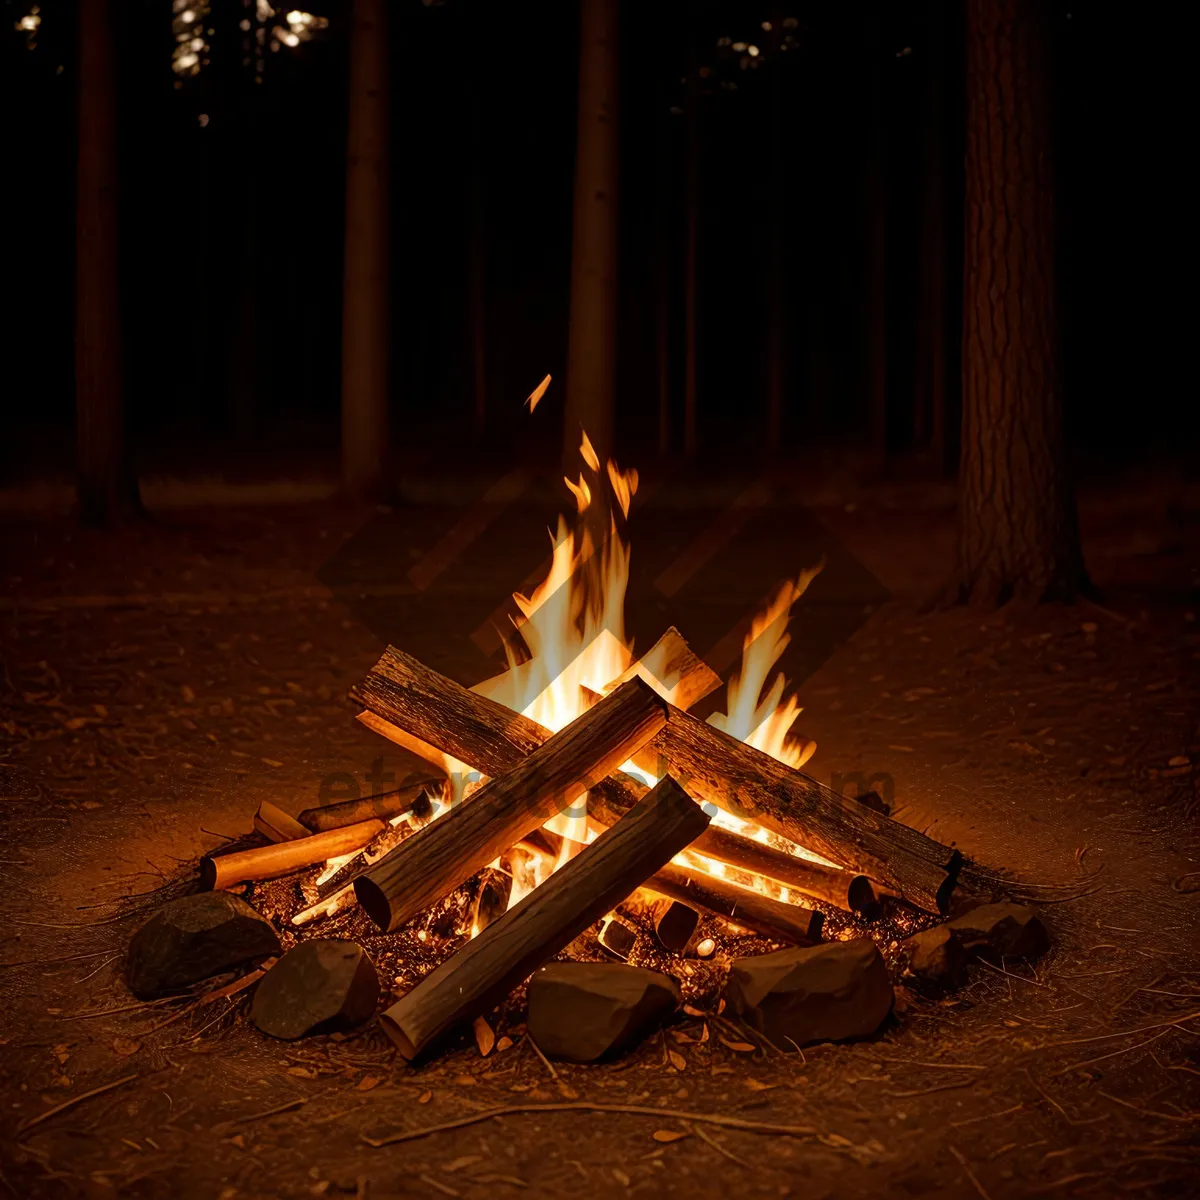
pixel 160 682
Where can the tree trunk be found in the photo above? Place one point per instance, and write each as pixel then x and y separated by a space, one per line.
pixel 662 275
pixel 691 227
pixel 477 259
pixel 365 296
pixel 1019 535
pixel 592 339
pixel 776 292
pixel 875 239
pixel 929 384
pixel 107 485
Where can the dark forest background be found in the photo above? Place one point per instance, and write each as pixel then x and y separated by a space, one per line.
pixel 231 212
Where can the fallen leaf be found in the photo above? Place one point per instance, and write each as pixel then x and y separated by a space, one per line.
pixel 272 762
pixel 465 1161
pixel 465 1080
pixel 187 694
pixel 424 1097
pixel 620 1176
pixel 485 1038
pixel 302 1072
pixel 504 1043
pixel 757 1085
pixel 367 1082
pixel 694 1012
pixel 670 1135
pixel 740 1047
pixel 677 1060
pixel 238 1140
pixel 566 1091
pixel 125 1046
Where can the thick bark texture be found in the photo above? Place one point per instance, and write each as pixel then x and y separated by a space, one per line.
pixel 592 341
pixel 487 968
pixel 365 296
pixel 106 483
pixel 1019 536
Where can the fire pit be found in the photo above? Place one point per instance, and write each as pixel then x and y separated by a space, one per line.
pixel 575 811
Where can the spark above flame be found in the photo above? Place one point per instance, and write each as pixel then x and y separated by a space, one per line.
pixel 537 393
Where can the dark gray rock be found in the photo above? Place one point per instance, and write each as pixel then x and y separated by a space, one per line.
pixel 582 1012
pixel 815 994
pixel 1001 931
pixel 316 987
pixel 934 958
pixel 617 939
pixel 192 938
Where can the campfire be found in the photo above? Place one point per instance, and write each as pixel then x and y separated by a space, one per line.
pixel 574 810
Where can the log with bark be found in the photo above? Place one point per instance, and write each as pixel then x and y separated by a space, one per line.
pixel 270 862
pixel 673 670
pixel 752 910
pixel 447 852
pixel 487 968
pixel 751 785
pixel 402 694
pixel 831 885
pixel 413 798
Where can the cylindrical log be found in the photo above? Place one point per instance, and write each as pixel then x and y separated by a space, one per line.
pixel 400 691
pixel 276 825
pixel 269 862
pixel 487 968
pixel 382 807
pixel 756 787
pixel 841 889
pixel 447 852
pixel 674 670
pixel 753 910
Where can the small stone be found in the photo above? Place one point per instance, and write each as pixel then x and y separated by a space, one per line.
pixel 192 938
pixel 617 939
pixel 934 958
pixel 583 1012
pixel 322 986
pixel 1002 930
pixel 817 994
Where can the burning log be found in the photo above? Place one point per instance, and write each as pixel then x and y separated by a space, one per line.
pixel 752 910
pixel 487 968
pixel 756 787
pixel 381 807
pixel 674 671
pixel 270 862
pixel 446 853
pixel 401 691
pixel 841 889
pixel 275 825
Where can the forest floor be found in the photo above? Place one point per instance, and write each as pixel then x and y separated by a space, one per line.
pixel 159 682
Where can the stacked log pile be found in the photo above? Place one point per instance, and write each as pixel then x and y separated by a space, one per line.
pixel 717 838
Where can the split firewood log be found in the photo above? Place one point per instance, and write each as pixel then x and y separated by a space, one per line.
pixel 475 978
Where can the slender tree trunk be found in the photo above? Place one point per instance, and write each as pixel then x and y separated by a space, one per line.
pixel 691 202
pixel 663 244
pixel 1019 535
pixel 477 275
pixel 875 282
pixel 929 388
pixel 106 483
pixel 592 341
pixel 775 244
pixel 365 297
